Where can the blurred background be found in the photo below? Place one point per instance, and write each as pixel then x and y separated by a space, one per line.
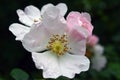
pixel 16 63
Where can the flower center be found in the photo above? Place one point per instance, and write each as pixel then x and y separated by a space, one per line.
pixel 58 44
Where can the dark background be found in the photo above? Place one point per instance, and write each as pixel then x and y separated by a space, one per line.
pixel 105 16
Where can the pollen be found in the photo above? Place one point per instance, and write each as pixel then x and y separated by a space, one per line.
pixel 40 19
pixel 58 44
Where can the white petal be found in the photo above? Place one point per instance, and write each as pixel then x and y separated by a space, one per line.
pixel 51 12
pixel 98 62
pixel 62 7
pixel 86 15
pixel 33 12
pixel 36 39
pixel 54 66
pixel 48 62
pixel 98 49
pixel 24 18
pixel 73 64
pixel 43 9
pixel 82 31
pixel 57 27
pixel 53 22
pixel 19 30
pixel 77 46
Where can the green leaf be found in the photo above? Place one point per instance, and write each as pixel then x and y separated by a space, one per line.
pixel 19 74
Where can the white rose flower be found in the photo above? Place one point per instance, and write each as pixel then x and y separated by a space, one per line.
pixel 54 48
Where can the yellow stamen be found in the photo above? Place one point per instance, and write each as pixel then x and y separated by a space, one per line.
pixel 58 44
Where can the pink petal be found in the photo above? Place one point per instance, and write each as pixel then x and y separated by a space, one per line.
pixel 92 40
pixel 77 19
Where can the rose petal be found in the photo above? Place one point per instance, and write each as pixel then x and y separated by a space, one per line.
pixel 51 12
pixel 63 8
pixel 53 22
pixel 48 62
pixel 24 18
pixel 77 47
pixel 19 30
pixel 33 12
pixel 54 66
pixel 92 40
pixel 86 15
pixel 43 9
pixel 36 39
pixel 73 64
pixel 79 32
pixel 73 19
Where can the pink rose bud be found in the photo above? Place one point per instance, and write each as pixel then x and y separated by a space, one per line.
pixel 81 23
